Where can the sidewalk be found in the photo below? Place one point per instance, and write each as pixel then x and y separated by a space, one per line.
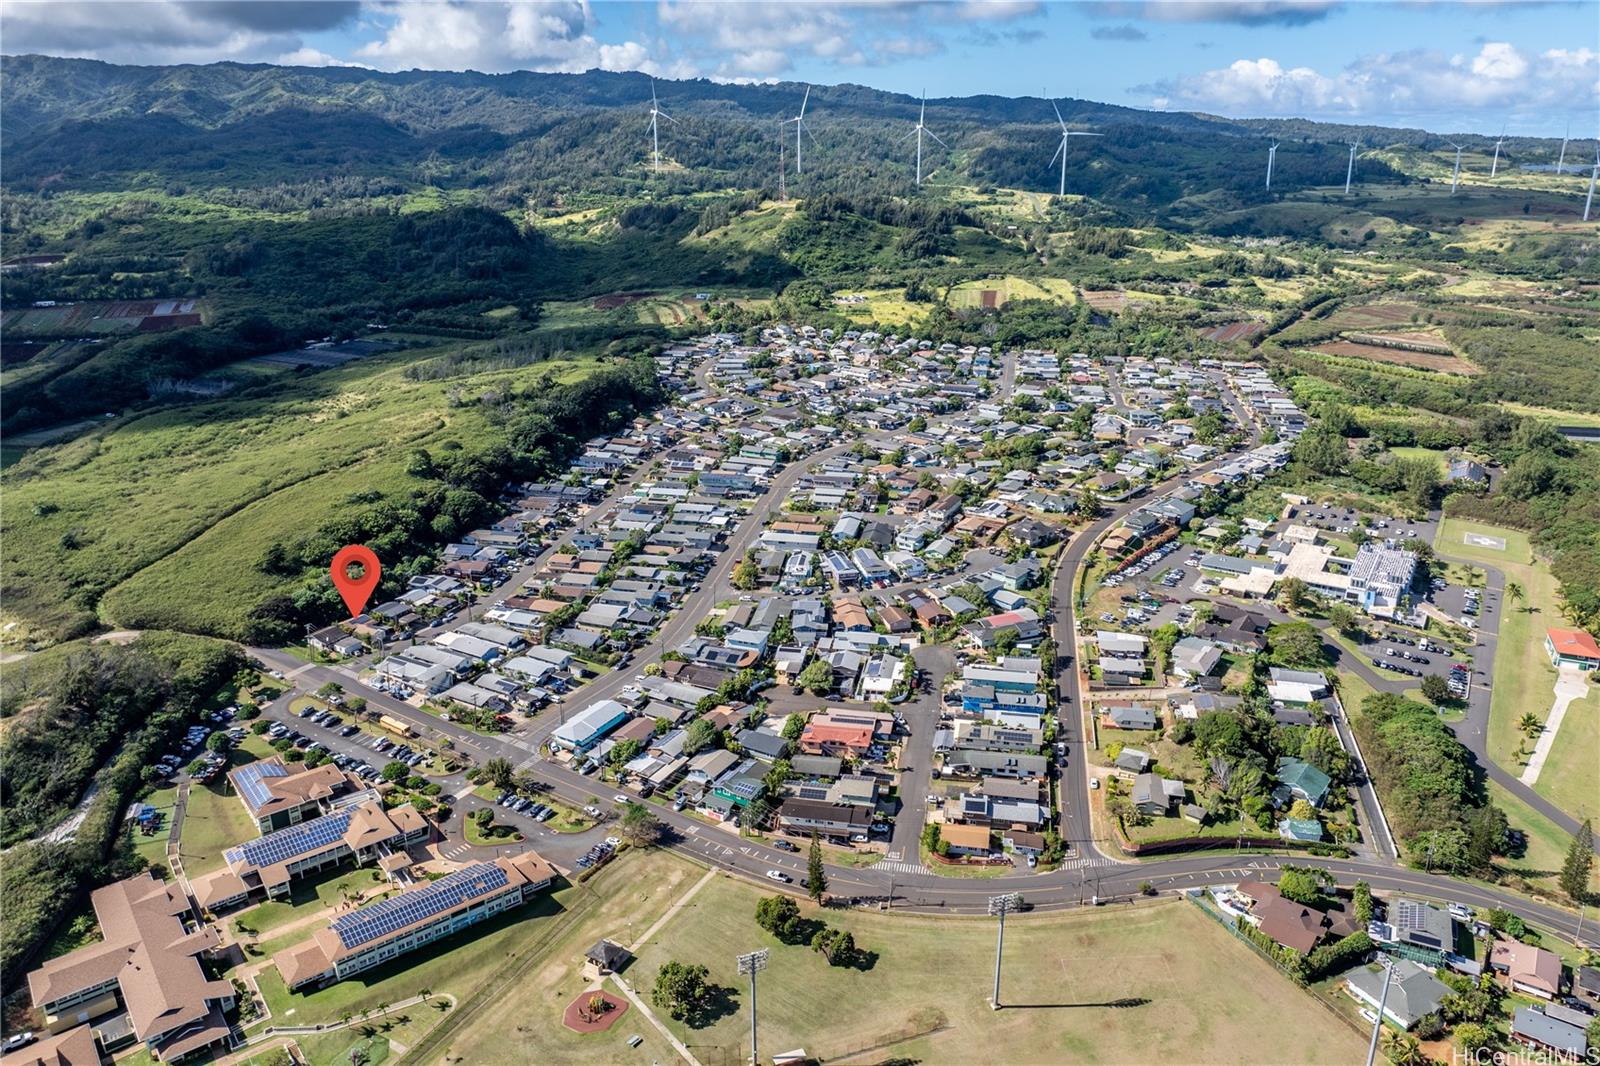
pixel 1570 686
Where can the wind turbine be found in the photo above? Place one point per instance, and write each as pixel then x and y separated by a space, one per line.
pixel 1455 177
pixel 919 130
pixel 655 129
pixel 1495 166
pixel 1062 149
pixel 1272 153
pixel 1564 138
pixel 1593 174
pixel 1350 171
pixel 799 125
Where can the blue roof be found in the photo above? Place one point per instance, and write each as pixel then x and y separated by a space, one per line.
pixel 391 915
pixel 307 838
pixel 248 780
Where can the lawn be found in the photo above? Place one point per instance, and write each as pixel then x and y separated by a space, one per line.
pixel 308 897
pixel 520 1009
pixel 1547 846
pixel 206 487
pixel 153 848
pixel 1124 985
pixel 213 821
pixel 1524 681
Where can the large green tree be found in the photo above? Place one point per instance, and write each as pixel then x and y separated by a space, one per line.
pixel 816 876
pixel 1579 861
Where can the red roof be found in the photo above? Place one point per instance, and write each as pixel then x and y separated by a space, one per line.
pixel 1573 643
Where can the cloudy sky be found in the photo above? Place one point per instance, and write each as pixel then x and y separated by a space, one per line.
pixel 1449 65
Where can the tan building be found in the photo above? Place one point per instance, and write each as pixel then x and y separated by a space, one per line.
pixel 359 831
pixel 375 934
pixel 147 968
pixel 277 796
pixel 75 1047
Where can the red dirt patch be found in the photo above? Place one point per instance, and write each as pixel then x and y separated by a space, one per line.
pixel 614 300
pixel 1448 364
pixel 1234 331
pixel 1105 299
pixel 991 299
pixel 577 1017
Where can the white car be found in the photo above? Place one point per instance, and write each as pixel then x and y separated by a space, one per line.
pixel 615 842
pixel 779 875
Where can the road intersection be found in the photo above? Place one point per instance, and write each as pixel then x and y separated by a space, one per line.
pixel 901 882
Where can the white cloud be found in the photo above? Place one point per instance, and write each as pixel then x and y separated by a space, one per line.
pixel 765 38
pixel 548 35
pixel 311 57
pixel 1412 84
pixel 166 31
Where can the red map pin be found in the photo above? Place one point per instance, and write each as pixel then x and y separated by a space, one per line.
pixel 355 590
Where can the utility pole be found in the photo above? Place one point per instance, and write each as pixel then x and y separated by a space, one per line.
pixel 752 964
pixel 1000 906
pixel 1383 1000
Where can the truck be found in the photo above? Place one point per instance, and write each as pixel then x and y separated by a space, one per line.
pixel 395 725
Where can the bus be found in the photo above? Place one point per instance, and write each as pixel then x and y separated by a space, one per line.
pixel 395 725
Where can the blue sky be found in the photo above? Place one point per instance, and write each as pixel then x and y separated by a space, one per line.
pixel 1467 65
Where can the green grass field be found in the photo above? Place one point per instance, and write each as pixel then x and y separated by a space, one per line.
pixel 1129 985
pixel 205 488
pixel 1524 680
pixel 213 821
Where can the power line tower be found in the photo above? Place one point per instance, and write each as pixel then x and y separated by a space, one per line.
pixel 1001 906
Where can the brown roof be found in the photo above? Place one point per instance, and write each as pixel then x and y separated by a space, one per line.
pixel 317 955
pixel 1527 964
pixel 302 785
pixel 75 1047
pixel 147 951
pixel 1291 924
pixel 965 836
pixel 216 886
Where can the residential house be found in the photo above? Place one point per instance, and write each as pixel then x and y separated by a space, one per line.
pixel 1413 992
pixel 1529 970
pixel 1155 795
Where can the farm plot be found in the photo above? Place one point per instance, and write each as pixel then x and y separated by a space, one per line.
pixel 1449 364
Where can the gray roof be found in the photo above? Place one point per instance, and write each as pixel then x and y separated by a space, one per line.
pixel 1412 993
pixel 1551 1032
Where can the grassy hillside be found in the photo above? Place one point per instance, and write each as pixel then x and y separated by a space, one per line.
pixel 163 521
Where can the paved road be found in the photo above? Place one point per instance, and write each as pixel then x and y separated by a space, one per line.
pixel 1088 873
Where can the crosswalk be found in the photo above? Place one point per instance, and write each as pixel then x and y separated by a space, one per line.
pixel 1084 863
pixel 457 851
pixel 902 867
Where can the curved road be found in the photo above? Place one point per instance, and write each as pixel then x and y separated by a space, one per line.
pixel 907 885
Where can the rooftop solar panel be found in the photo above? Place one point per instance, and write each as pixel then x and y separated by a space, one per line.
pixel 249 781
pixel 391 915
pixel 307 838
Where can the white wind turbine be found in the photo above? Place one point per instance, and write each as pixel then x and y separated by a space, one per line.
pixel 1495 166
pixel 1062 149
pixel 800 125
pixel 1350 171
pixel 1562 162
pixel 655 129
pixel 1272 154
pixel 1593 174
pixel 919 130
pixel 1455 176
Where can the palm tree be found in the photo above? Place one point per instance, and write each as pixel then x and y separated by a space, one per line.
pixel 1403 1049
pixel 1529 725
pixel 1514 592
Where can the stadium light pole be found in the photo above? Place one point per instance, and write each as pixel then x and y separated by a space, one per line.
pixel 752 964
pixel 1383 1000
pixel 1001 906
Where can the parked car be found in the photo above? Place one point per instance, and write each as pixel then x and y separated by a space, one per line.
pixel 779 875
pixel 784 845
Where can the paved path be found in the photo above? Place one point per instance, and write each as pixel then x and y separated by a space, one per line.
pixel 672 911
pixel 644 1009
pixel 1569 686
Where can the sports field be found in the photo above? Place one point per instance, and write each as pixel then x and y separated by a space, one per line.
pixel 1160 983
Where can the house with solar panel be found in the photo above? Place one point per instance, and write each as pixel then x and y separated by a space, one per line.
pixel 357 830
pixel 380 932
pixel 277 796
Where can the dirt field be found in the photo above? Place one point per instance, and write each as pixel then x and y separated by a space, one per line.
pixel 1233 331
pixel 618 299
pixel 1105 299
pixel 1448 364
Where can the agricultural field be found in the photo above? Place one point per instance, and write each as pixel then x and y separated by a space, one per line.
pixel 997 292
pixel 1148 995
pixel 132 512
pixel 1448 364
pixel 887 307
pixel 1524 681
